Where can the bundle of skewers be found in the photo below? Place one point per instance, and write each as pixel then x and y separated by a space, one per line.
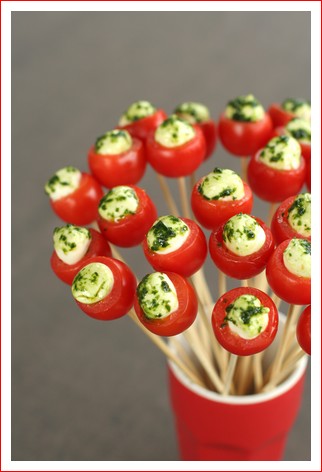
pixel 218 338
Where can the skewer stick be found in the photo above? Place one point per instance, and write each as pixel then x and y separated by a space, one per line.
pixel 285 372
pixel 193 180
pixel 244 283
pixel 245 374
pixel 271 211
pixel 184 197
pixel 230 373
pixel 276 300
pixel 222 286
pixel 244 164
pixel 258 371
pixel 168 196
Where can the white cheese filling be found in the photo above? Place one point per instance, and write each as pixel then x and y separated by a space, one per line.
pixel 242 235
pixel 282 153
pixel 174 132
pixel 71 243
pixel 136 111
pixel 222 184
pixel 247 317
pixel 299 214
pixel 297 257
pixel 157 296
pixel 167 234
pixel 299 129
pixel 118 203
pixel 300 108
pixel 245 108
pixel 63 183
pixel 113 142
pixel 92 283
pixel 193 112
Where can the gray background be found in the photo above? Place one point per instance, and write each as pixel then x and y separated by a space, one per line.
pixel 85 390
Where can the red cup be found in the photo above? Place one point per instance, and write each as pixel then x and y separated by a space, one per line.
pixel 214 427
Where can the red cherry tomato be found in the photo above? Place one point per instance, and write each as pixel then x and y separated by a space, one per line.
pixel 231 341
pixel 240 267
pixel 308 175
pixel 244 138
pixel 178 161
pixel 130 230
pixel 287 286
pixel 274 185
pixel 210 134
pixel 281 229
pixel 186 260
pixel 303 330
pixel 120 300
pixel 80 207
pixel 142 128
pixel 279 116
pixel 212 213
pixel 65 272
pixel 182 318
pixel 118 169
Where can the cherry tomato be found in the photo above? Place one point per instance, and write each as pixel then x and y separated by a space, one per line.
pixel 118 169
pixel 179 320
pixel 65 272
pixel 230 340
pixel 210 134
pixel 287 286
pixel 303 330
pixel 281 229
pixel 240 267
pixel 80 207
pixel 279 116
pixel 308 175
pixel 305 147
pixel 244 138
pixel 212 213
pixel 130 230
pixel 274 185
pixel 177 161
pixel 186 260
pixel 144 126
pixel 120 300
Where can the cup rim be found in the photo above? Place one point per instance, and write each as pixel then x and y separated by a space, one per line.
pixel 286 385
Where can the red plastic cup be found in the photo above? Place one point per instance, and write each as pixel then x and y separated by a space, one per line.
pixel 234 428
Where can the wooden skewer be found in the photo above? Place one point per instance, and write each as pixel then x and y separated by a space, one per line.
pixel 276 300
pixel 244 164
pixel 271 211
pixel 258 371
pixel 168 196
pixel 184 197
pixel 244 283
pixel 222 288
pixel 284 373
pixel 230 373
pixel 193 180
pixel 244 374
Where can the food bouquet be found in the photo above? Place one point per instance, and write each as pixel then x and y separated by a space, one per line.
pixel 225 363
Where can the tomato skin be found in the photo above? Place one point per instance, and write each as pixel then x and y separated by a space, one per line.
pixel 308 175
pixel 303 330
pixel 186 260
pixel 289 287
pixel 142 128
pixel 80 207
pixel 212 213
pixel 65 272
pixel 240 267
pixel 279 116
pixel 242 138
pixel 131 230
pixel 230 340
pixel 120 299
pixel 118 169
pixel 179 161
pixel 182 318
pixel 210 134
pixel 281 229
pixel 274 185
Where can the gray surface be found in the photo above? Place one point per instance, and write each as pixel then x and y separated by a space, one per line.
pixel 85 390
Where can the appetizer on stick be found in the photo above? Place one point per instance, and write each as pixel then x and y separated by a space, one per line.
pixel 245 321
pixel 117 159
pixel 165 303
pixel 198 114
pixel 278 170
pixel 104 288
pixel 176 245
pixel 74 195
pixel 74 246
pixel 125 215
pixel 303 330
pixel 282 113
pixel 176 148
pixel 242 246
pixel 288 271
pixel 218 196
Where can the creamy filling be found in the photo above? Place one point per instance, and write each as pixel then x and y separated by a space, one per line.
pixel 245 108
pixel 167 234
pixel 92 283
pixel 63 183
pixel 222 184
pixel 193 112
pixel 282 153
pixel 137 111
pixel 174 132
pixel 297 257
pixel 242 235
pixel 71 243
pixel 299 214
pixel 247 317
pixel 118 203
pixel 157 296
pixel 113 142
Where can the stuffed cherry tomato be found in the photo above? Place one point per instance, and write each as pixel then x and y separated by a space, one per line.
pixel 125 215
pixel 245 321
pixel 241 247
pixel 277 171
pixel 290 108
pixel 117 159
pixel 104 288
pixel 176 245
pixel 244 127
pixel 176 149
pixel 165 303
pixel 74 195
pixel 303 330
pixel 300 130
pixel 292 219
pixel 219 196
pixel 73 247
pixel 198 114
pixel 288 271
pixel 308 175
pixel 141 118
